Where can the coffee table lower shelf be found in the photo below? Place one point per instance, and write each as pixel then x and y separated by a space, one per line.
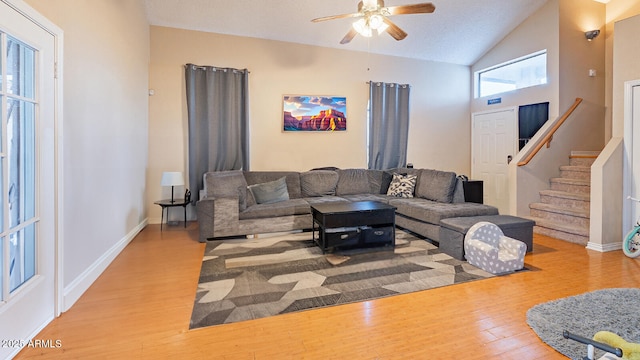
pixel 355 237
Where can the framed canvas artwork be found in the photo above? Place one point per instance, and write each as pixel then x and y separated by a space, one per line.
pixel 314 113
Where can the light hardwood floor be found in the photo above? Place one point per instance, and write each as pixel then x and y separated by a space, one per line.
pixel 140 309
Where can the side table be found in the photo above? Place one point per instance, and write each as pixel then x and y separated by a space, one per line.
pixel 166 204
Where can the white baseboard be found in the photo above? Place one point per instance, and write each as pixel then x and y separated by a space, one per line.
pixel 33 335
pixel 604 247
pixel 73 291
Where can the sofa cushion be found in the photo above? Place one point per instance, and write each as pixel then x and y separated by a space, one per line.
pixel 436 185
pixel 324 199
pixel 270 192
pixel 402 186
pixel 226 184
pixel 367 197
pixel 352 181
pixel 433 211
pixel 318 183
pixel 282 208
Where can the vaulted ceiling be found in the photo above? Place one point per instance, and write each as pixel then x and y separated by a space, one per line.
pixel 459 31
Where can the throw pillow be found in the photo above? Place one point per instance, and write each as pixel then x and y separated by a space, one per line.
pixel 270 192
pixel 402 186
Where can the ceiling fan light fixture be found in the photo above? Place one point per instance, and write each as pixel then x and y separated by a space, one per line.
pixel 369 4
pixel 373 15
pixel 363 28
pixel 382 28
pixel 375 21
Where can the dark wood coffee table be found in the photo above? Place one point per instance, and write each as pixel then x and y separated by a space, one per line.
pixel 354 224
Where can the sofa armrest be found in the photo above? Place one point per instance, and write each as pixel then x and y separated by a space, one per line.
pixel 489 251
pixel 513 246
pixel 226 216
pixel 217 217
pixel 205 211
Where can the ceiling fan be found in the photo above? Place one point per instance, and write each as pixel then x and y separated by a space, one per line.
pixel 375 16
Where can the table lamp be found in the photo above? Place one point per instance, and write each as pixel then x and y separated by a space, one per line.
pixel 172 178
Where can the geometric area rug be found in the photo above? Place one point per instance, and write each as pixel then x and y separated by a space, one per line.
pixel 614 310
pixel 245 279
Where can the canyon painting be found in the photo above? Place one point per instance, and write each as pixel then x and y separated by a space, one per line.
pixel 314 113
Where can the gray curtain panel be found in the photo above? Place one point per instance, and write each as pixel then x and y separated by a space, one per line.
pixel 217 108
pixel 388 125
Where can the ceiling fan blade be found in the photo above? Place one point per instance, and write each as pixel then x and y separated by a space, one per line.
pixel 350 35
pixel 332 17
pixel 394 30
pixel 423 8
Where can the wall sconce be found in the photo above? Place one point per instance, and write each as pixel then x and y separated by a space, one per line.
pixel 591 34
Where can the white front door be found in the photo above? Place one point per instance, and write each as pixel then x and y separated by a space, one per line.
pixel 494 143
pixel 27 178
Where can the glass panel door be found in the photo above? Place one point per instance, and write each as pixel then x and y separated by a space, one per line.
pixel 27 173
pixel 17 227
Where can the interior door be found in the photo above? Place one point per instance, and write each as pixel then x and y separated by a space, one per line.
pixel 27 173
pixel 494 143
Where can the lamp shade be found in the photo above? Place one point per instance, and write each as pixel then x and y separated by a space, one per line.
pixel 170 178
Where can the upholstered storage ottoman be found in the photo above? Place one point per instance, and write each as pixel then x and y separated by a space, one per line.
pixel 453 230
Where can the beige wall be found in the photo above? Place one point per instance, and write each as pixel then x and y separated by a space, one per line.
pixel 577 55
pixel 625 67
pixel 538 32
pixel 439 126
pixel 610 211
pixel 104 131
pixel 616 10
pixel 559 28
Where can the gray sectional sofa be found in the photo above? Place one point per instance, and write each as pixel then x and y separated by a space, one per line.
pixel 235 203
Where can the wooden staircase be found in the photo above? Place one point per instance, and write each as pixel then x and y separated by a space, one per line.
pixel 563 211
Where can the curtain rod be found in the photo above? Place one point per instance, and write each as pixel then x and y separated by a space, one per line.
pixel 391 84
pixel 216 68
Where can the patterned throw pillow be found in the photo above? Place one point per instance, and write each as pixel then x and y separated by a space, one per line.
pixel 402 186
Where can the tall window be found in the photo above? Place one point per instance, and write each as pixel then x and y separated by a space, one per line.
pixel 527 71
pixel 18 165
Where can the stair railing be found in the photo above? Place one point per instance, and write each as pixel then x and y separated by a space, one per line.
pixel 547 138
